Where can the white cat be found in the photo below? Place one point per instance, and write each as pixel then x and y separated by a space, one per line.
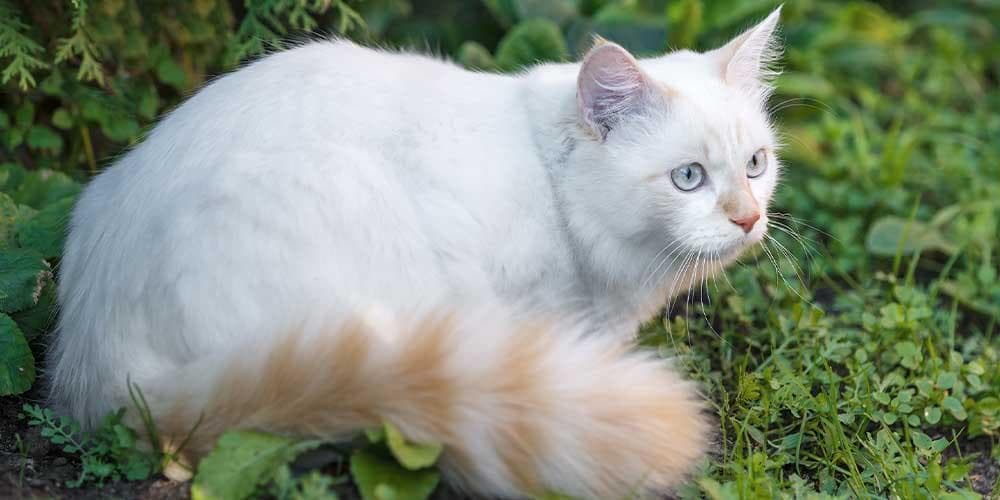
pixel 335 236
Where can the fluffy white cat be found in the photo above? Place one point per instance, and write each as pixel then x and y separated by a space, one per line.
pixel 335 236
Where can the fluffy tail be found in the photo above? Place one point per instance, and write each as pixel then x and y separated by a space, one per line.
pixel 520 411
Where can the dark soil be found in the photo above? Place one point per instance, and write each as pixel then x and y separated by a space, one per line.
pixel 985 470
pixel 38 469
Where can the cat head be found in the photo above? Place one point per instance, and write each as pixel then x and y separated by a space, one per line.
pixel 679 148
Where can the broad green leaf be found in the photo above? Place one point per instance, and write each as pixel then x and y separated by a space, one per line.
pixel 891 234
pixel 17 365
pixel 12 137
pixel 46 231
pixel 171 73
pixel 947 380
pixel 242 461
pixel 474 56
pixel 39 318
pixel 8 217
pixel 62 119
pixel 380 478
pixel 954 406
pixel 413 456
pixel 23 275
pixel 921 440
pixel 120 128
pixel 43 137
pixel 530 42
pixel 41 188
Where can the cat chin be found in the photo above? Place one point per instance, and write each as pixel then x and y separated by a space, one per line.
pixel 731 251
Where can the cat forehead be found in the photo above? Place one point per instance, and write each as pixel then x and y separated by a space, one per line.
pixel 697 78
pixel 682 68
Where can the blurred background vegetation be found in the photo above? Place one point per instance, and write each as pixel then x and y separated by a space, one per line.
pixel 857 355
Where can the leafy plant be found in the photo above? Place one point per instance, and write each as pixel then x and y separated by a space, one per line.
pixel 109 453
pixel 387 467
pixel 242 461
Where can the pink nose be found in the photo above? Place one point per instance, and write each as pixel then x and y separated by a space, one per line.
pixel 746 221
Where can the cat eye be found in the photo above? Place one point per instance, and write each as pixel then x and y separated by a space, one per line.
pixel 757 165
pixel 688 177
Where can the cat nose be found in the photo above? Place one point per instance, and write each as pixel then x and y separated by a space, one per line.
pixel 746 221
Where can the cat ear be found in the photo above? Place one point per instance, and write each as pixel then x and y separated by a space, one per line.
pixel 746 61
pixel 610 87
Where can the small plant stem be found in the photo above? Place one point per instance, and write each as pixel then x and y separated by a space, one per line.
pixel 88 148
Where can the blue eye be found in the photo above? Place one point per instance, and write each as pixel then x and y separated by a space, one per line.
pixel 757 165
pixel 688 177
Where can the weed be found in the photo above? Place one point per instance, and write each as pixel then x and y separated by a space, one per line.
pixel 109 453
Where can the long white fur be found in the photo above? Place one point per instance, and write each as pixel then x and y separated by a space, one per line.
pixel 337 177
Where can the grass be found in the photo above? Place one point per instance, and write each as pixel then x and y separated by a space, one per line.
pixel 854 355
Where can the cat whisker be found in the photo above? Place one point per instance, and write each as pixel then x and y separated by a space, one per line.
pixel 668 267
pixel 796 220
pixel 807 244
pixel 687 300
pixel 716 258
pixel 658 254
pixel 670 294
pixel 785 136
pixel 678 246
pixel 706 298
pixel 808 102
pixel 725 275
pixel 799 272
pixel 781 275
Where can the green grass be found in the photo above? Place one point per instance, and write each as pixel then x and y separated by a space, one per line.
pixel 855 355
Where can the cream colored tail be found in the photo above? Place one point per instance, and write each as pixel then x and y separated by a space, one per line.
pixel 520 411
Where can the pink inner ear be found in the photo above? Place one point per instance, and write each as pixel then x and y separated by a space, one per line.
pixel 610 86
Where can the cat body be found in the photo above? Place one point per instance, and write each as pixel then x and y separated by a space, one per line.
pixel 475 242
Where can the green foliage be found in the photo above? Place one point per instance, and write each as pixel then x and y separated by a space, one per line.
pixel 391 467
pixel 312 486
pixel 30 243
pixel 242 461
pixel 856 355
pixel 530 42
pixel 412 456
pixel 23 274
pixel 17 365
pixel 79 44
pixel 109 453
pixel 21 49
pixel 379 477
pixel 388 467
